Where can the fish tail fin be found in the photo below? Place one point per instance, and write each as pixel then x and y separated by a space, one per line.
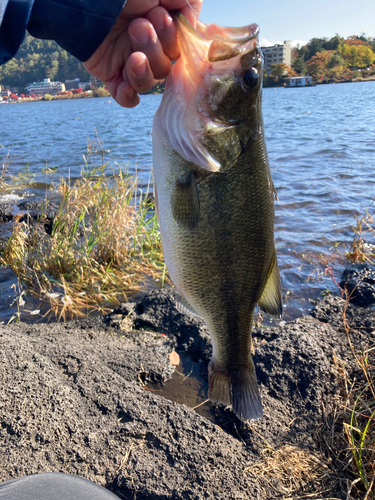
pixel 236 388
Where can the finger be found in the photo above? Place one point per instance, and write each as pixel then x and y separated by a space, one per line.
pixel 136 8
pixel 139 73
pixel 144 39
pixel 165 30
pixel 189 8
pixel 122 92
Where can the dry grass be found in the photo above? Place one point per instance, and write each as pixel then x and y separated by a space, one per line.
pixel 360 404
pixel 290 472
pixel 362 248
pixel 4 173
pixel 105 244
pixel 347 434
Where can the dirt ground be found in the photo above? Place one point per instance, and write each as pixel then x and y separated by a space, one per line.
pixel 72 399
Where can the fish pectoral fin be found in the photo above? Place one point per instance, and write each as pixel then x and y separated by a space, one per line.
pixel 271 300
pixel 184 307
pixel 185 201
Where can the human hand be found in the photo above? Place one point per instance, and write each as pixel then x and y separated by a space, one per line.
pixel 140 47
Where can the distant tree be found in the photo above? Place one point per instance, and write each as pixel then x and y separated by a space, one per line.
pixel 303 51
pixel 318 64
pixel 336 60
pixel 291 73
pixel 279 70
pixel 334 42
pixel 357 56
pixel 299 66
pixel 315 45
pixel 38 59
pixel 356 41
pixel 365 56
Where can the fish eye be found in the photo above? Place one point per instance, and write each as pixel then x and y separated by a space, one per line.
pixel 251 78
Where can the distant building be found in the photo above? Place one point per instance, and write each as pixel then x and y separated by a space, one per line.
pixel 277 54
pixel 94 82
pixel 85 85
pixel 45 87
pixel 72 84
pixel 298 81
pixel 5 93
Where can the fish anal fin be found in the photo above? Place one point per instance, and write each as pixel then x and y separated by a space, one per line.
pixel 270 301
pixel 184 307
pixel 236 388
pixel 185 201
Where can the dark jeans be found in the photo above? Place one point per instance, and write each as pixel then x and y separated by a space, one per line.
pixel 53 486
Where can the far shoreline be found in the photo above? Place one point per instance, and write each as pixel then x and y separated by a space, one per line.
pixel 91 96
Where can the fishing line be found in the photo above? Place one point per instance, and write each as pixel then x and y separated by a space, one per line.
pixel 192 8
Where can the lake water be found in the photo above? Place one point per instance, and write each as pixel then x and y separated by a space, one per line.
pixel 321 145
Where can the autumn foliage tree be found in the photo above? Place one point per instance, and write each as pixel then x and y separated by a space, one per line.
pixel 336 59
pixel 279 70
pixel 359 56
pixel 318 64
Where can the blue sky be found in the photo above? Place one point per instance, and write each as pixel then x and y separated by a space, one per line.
pixel 294 20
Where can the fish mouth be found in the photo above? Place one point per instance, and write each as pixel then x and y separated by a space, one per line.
pixel 216 43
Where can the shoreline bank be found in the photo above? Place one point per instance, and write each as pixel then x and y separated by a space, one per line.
pixel 74 400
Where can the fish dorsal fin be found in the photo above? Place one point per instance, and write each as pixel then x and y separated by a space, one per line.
pixel 184 307
pixel 271 300
pixel 185 201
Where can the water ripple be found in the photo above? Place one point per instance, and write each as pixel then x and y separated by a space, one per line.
pixel 321 148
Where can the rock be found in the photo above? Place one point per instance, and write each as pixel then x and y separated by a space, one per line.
pixel 6 211
pixel 69 402
pixel 31 211
pixel 360 285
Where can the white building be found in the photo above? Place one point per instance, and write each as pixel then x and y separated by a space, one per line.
pixel 45 87
pixel 277 54
pixel 298 81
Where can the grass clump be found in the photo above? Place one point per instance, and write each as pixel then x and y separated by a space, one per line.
pixel 347 435
pixel 292 470
pixel 104 244
pixel 360 405
pixel 362 248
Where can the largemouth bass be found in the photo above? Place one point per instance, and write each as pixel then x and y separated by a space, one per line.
pixel 214 199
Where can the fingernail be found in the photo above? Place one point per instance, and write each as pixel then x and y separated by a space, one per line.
pixel 141 33
pixel 158 21
pixel 130 93
pixel 140 69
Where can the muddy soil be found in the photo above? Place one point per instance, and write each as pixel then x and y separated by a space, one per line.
pixel 73 399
